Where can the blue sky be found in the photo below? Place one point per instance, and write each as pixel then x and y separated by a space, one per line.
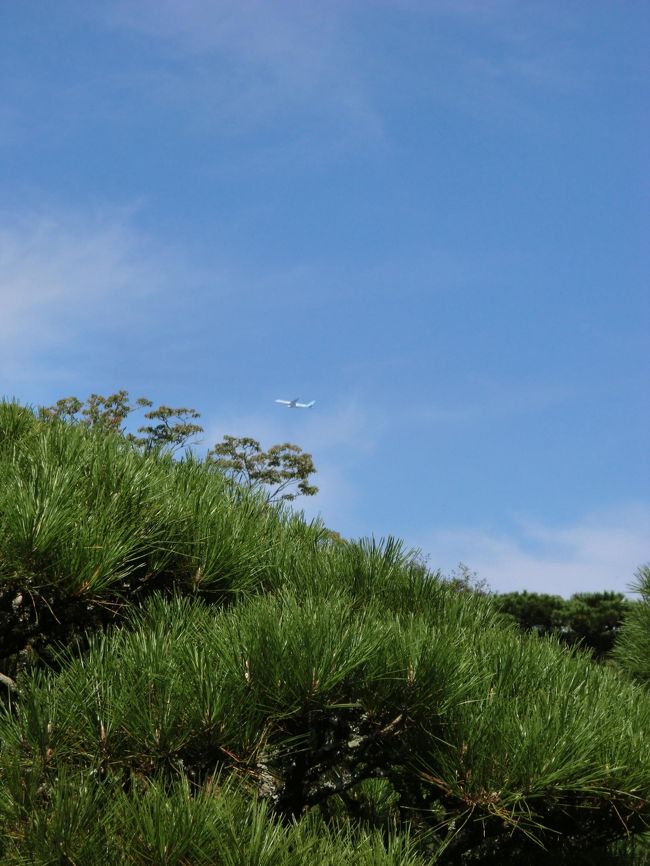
pixel 431 217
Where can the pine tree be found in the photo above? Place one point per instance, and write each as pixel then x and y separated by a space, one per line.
pixel 192 676
pixel 632 650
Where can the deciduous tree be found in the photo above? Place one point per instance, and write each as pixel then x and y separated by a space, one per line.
pixel 282 472
pixel 175 428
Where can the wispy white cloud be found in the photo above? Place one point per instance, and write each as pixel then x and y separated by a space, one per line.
pixel 600 552
pixel 486 398
pixel 350 425
pixel 338 499
pixel 261 426
pixel 247 61
pixel 291 40
pixel 68 275
pixel 322 430
pixel 512 54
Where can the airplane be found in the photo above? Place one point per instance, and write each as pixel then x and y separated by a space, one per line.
pixel 294 404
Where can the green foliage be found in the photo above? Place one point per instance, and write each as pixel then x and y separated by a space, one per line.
pixel 108 413
pixel 463 579
pixel 88 523
pixel 533 611
pixel 590 620
pixel 196 677
pixel 594 619
pixel 174 430
pixel 282 472
pixel 307 697
pixel 632 650
pixel 80 820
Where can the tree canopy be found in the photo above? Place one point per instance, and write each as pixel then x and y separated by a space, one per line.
pixel 632 650
pixel 591 620
pixel 174 429
pixel 192 676
pixel 282 472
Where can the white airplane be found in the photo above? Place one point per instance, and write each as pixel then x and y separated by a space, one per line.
pixel 294 404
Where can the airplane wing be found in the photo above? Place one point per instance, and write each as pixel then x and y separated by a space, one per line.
pixel 294 404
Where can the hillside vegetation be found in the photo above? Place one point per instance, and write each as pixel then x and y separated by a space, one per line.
pixel 191 675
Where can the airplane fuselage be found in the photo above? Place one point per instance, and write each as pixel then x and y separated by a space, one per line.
pixel 294 404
